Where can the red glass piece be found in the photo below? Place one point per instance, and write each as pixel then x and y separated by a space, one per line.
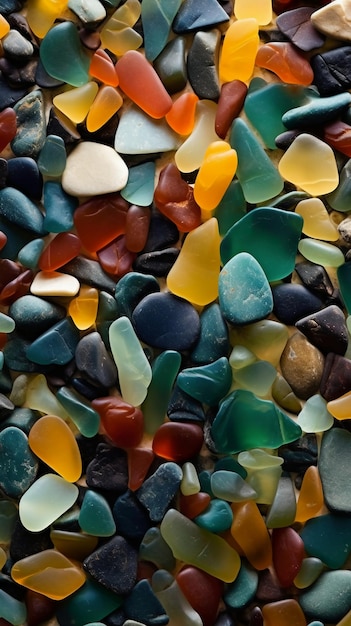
pixel 288 554
pixel 230 103
pixel 3 240
pixel 123 423
pixel 62 249
pixel 286 62
pixel 175 199
pixel 18 287
pixel 102 68
pixel 100 220
pixel 116 259
pixel 137 227
pixel 139 462
pixel 8 271
pixel 338 136
pixel 202 591
pixel 192 506
pixel 8 127
pixel 3 339
pixel 141 83
pixel 39 608
pixel 177 442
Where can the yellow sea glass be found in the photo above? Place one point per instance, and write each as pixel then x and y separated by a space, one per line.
pixel 73 545
pixel 215 175
pixel 83 309
pixel 250 533
pixel 316 220
pixel 191 153
pixel 52 440
pixel 310 164
pixel 239 51
pixel 107 102
pixel 194 275
pixel 117 34
pixel 41 14
pixel 340 408
pixel 4 26
pixel 75 103
pixel 49 573
pixel 310 500
pixel 261 10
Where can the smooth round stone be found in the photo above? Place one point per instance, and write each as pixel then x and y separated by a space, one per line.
pixel 201 64
pixel 137 133
pixel 333 20
pixel 192 17
pixel 335 476
pixel 171 67
pixel 93 360
pixel 164 321
pixel 88 14
pixel 30 253
pixel 131 289
pixel 52 496
pixel 302 366
pixel 52 157
pixel 317 112
pixel 230 486
pixel 326 329
pixel 243 589
pixel 244 292
pixel 21 211
pixel 31 125
pixel 16 46
pixel 321 253
pixel 214 341
pixel 7 323
pixel 85 418
pixel 18 465
pixel 24 175
pixel 33 315
pixel 12 611
pixel 94 169
pixel 328 537
pixel 59 208
pixel 108 469
pixel 54 284
pixel 293 302
pixel 72 65
pixel 329 599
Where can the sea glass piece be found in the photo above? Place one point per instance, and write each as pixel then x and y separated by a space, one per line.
pixel 187 542
pixel 194 276
pixel 8 127
pixel 259 182
pixel 215 174
pixel 321 252
pixel 286 62
pixel 91 602
pixel 141 84
pixel 174 198
pixel 157 18
pixel 40 398
pixel 76 103
pixel 138 133
pixel 43 13
pixel 283 508
pixel 85 418
pixel 48 489
pixel 314 417
pixel 316 221
pixel 230 486
pixel 134 370
pixel 310 569
pixel 165 368
pixel 190 483
pixel 117 34
pixel 239 51
pixel 181 116
pixel 62 249
pixel 257 232
pixel 73 545
pixel 49 573
pixel 310 164
pixel 18 464
pixel 250 533
pixel 139 190
pixel 232 432
pixel 83 309
pixel 261 11
pixel 263 473
pixel 102 68
pixel 52 440
pixel 59 208
pixel 310 500
pixel 52 158
pixel 335 476
pixel 56 345
pixel 192 151
pixel 4 27
pixel 176 441
pixel 266 339
pixel 123 423
pixel 107 102
pixel 95 517
pixel 12 609
pixel 72 66
pixel 288 553
pixel 285 612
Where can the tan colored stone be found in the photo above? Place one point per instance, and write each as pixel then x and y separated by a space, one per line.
pixel 302 366
pixel 334 19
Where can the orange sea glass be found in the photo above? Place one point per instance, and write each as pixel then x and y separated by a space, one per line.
pixel 4 26
pixel 103 69
pixel 215 175
pixel 310 499
pixel 250 532
pixel 239 51
pixel 107 102
pixel 181 117
pixel 283 613
pixel 83 309
pixel 52 440
pixel 192 506
pixel 175 199
pixel 340 408
pixel 338 136
pixel 286 62
pixel 62 249
pixel 140 82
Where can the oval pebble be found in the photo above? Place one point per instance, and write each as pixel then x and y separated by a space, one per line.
pixel 50 494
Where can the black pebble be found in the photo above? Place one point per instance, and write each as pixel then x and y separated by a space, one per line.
pixel 332 71
pixel 292 302
pixel 326 329
pixel 132 519
pixel 336 379
pixel 114 565
pixel 23 174
pixel 108 470
pixel 157 263
pixel 162 233
pixel 25 543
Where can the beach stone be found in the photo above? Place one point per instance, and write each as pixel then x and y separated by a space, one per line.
pixel 18 465
pixel 94 169
pixel 159 489
pixel 108 469
pixel 16 208
pixel 201 64
pixel 326 329
pixel 298 27
pixel 24 175
pixel 31 125
pixel 16 46
pixel 329 599
pixel 93 360
pixel 336 476
pixel 191 16
pixel 33 315
pixel 293 302
pixel 114 565
pixel 302 366
pixel 336 379
pixel 334 20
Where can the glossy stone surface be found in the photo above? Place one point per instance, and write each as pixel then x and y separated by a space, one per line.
pixel 19 466
pixel 335 478
pixel 74 63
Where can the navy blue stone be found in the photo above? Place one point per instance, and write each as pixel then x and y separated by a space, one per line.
pixel 25 543
pixel 162 233
pixel 24 174
pixel 117 618
pixel 164 321
pixel 10 95
pixel 158 263
pixel 17 238
pixel 157 491
pixel 87 389
pixel 132 520
pixel 10 6
pixel 298 27
pixel 183 407
pixel 21 418
pixel 93 360
pixel 108 470
pixel 293 301
pixel 131 289
pixel 332 70
pixel 143 606
pixel 194 15
pixel 15 355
